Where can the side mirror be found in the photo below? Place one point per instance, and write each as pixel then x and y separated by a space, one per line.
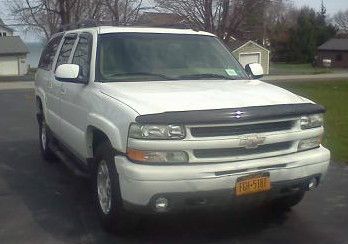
pixel 254 70
pixel 67 72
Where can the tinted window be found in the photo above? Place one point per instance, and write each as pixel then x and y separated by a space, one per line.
pixel 145 56
pixel 82 55
pixel 49 52
pixel 66 49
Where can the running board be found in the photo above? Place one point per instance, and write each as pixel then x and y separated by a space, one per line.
pixel 68 161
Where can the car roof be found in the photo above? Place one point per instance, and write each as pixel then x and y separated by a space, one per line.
pixel 124 29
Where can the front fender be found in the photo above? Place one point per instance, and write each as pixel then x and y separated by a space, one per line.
pixel 109 129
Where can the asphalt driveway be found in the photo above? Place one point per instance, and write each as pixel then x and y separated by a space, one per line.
pixel 44 203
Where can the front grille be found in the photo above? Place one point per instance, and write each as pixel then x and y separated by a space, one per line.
pixel 235 152
pixel 241 129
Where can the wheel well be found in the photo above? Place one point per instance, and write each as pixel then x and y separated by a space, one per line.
pixel 95 137
pixel 39 108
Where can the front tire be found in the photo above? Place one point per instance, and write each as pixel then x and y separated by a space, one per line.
pixel 107 194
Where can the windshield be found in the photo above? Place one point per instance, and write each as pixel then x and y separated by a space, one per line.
pixel 148 56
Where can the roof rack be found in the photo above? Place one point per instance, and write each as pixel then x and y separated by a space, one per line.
pixel 174 26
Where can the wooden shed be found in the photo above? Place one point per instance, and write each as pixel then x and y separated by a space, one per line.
pixel 250 52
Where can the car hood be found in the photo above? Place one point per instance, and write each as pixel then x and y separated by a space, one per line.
pixel 164 96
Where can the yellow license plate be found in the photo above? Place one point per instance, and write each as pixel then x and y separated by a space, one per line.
pixel 253 184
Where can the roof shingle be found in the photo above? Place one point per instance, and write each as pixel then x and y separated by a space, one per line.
pixel 12 45
pixel 235 44
pixel 335 44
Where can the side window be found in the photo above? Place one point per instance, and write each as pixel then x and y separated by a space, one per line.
pixel 47 56
pixel 82 55
pixel 66 49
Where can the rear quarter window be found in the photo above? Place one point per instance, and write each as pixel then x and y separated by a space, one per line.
pixel 48 54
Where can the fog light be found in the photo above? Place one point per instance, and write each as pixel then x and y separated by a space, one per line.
pixel 161 204
pixel 309 143
pixel 313 184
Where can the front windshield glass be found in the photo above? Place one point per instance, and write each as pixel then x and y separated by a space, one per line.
pixel 148 56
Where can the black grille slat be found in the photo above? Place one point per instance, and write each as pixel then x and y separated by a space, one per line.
pixel 228 115
pixel 241 129
pixel 234 152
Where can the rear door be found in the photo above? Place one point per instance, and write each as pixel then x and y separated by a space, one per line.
pixel 75 97
pixel 46 81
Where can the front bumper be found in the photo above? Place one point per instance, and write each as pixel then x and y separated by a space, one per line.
pixel 197 185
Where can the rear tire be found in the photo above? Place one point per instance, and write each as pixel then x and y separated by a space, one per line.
pixel 107 194
pixel 287 202
pixel 44 139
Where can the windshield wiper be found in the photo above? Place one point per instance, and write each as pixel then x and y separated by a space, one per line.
pixel 142 73
pixel 205 76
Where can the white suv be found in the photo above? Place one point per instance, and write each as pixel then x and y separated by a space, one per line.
pixel 165 120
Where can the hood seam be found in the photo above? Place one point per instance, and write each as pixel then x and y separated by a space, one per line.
pixel 120 102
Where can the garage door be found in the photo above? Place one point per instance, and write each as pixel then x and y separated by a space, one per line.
pixel 8 66
pixel 249 58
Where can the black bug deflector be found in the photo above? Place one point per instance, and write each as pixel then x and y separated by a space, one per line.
pixel 233 115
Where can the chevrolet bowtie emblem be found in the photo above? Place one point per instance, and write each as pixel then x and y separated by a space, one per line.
pixel 237 114
pixel 251 141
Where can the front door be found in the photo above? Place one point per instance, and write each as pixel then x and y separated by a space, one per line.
pixel 75 97
pixel 57 86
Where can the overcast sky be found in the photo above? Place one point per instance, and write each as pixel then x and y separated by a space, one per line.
pixel 332 7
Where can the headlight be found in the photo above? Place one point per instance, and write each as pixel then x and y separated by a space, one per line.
pixel 157 156
pixel 312 121
pixel 310 143
pixel 171 132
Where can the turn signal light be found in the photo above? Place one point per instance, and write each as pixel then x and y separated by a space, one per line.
pixel 157 156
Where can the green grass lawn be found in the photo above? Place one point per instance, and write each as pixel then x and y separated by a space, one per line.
pixel 334 96
pixel 296 69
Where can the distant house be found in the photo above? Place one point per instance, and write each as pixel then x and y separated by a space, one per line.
pixel 250 52
pixel 336 50
pixel 13 52
pixel 5 30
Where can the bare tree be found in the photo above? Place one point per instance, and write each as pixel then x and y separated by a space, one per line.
pixel 124 12
pixel 33 16
pixel 281 12
pixel 50 16
pixel 341 19
pixel 280 16
pixel 221 17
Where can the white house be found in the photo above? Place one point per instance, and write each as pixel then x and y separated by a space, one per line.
pixel 13 52
pixel 5 30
